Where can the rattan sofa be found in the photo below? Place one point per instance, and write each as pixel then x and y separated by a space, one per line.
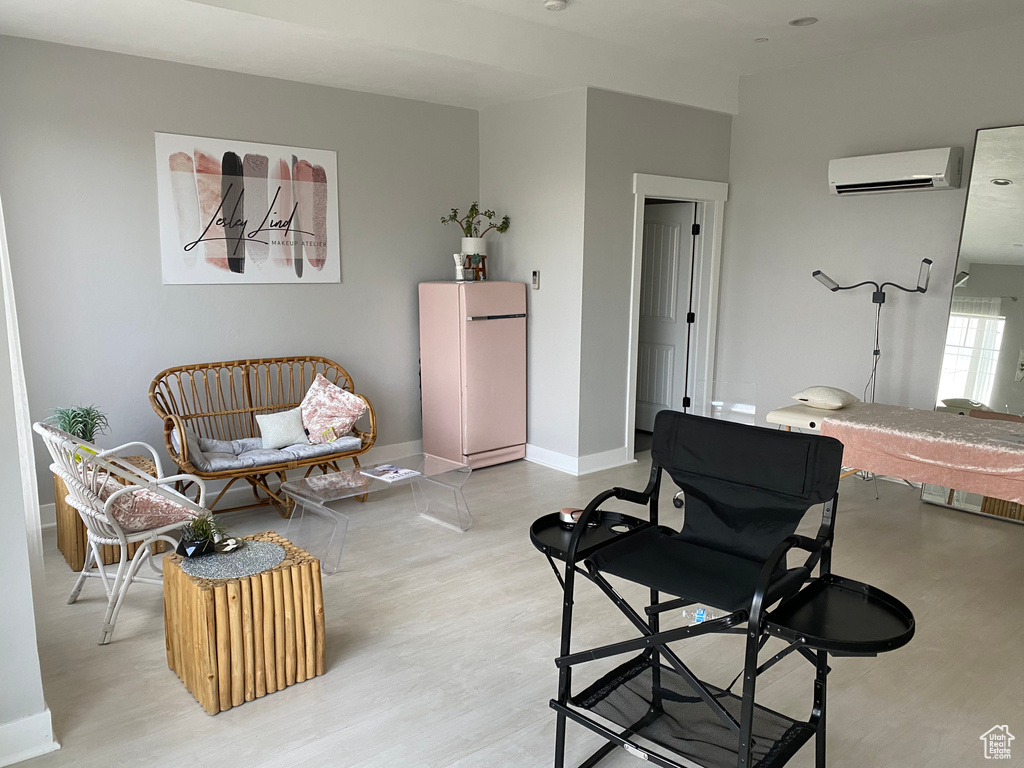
pixel 214 405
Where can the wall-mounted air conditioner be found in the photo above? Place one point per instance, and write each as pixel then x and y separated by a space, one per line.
pixel 896 171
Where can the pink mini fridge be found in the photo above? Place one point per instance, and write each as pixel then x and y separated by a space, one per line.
pixel 473 371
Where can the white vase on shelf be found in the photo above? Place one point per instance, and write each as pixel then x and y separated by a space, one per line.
pixel 474 246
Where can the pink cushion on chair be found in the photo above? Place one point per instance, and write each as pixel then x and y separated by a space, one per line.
pixel 328 411
pixel 143 510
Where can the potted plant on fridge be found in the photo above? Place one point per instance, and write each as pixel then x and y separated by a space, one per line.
pixel 475 225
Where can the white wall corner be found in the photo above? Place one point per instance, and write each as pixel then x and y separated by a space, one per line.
pixel 552 459
pixel 26 738
pixel 595 462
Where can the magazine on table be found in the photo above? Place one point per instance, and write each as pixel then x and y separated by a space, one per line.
pixel 389 473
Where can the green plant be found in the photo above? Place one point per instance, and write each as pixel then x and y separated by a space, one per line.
pixel 82 421
pixel 474 219
pixel 203 528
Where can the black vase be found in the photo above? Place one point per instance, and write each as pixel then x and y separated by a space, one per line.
pixel 194 548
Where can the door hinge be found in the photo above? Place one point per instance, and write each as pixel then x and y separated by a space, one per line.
pixel 691 317
pixel 695 230
pixel 686 402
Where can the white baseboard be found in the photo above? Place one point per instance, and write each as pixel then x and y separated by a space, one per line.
pixel 573 465
pixel 48 515
pixel 25 738
pixel 242 493
pixel 552 459
pixel 595 462
pixel 381 453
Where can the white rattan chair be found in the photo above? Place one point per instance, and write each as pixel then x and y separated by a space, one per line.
pixel 96 480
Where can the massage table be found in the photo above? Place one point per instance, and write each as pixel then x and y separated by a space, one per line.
pixel 984 456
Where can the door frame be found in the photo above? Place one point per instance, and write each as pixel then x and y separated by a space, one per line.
pixel 706 270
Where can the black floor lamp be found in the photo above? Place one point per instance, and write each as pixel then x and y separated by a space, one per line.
pixel 878 298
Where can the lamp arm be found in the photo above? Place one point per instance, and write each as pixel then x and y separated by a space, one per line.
pixel 908 290
pixel 858 285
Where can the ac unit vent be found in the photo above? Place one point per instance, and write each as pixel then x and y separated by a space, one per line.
pixel 896 171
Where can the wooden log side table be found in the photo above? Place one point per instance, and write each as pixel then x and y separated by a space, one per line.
pixel 72 540
pixel 234 640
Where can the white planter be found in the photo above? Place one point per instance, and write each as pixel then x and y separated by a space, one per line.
pixel 474 245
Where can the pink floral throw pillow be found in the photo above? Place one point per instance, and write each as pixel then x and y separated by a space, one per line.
pixel 328 411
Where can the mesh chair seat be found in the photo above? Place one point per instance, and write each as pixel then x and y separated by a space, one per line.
pixel 668 563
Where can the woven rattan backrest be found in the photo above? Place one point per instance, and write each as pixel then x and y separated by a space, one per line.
pixel 73 462
pixel 221 400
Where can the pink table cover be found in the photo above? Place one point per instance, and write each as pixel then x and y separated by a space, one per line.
pixel 976 455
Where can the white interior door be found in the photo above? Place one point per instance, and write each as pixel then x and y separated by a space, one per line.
pixel 664 303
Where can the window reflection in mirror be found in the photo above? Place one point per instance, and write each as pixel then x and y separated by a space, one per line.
pixel 983 361
pixel 985 337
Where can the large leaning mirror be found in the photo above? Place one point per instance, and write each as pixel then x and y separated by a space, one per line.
pixel 982 371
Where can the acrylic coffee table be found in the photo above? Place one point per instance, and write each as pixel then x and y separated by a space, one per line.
pixel 320 519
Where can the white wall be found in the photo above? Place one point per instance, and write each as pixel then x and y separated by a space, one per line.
pixel 25 729
pixel 627 135
pixel 779 327
pixel 77 173
pixel 532 164
pixel 564 166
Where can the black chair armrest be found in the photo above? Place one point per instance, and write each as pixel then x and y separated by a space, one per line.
pixel 757 606
pixel 635 497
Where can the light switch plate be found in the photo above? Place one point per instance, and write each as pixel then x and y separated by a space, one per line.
pixel 536 279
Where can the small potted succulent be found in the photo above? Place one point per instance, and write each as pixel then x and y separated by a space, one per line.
pixel 200 536
pixel 474 225
pixel 83 421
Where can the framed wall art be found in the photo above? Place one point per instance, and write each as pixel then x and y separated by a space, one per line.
pixel 241 212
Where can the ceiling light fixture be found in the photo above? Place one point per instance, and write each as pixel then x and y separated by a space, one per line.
pixel 1002 182
pixel 804 21
pixel 761 40
pixel 555 5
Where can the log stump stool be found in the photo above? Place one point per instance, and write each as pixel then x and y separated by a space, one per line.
pixel 234 640
pixel 72 540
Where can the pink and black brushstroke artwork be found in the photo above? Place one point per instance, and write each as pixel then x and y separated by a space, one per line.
pixel 297 223
pixel 254 170
pixel 249 212
pixel 231 211
pixel 186 204
pixel 281 210
pixel 208 186
pixel 311 193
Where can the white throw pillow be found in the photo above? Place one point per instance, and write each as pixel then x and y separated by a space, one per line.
pixel 827 398
pixel 281 429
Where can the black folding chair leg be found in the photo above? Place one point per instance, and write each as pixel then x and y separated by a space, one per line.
pixel 820 691
pixel 559 740
pixel 749 686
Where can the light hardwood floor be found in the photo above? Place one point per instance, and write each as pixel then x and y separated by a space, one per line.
pixel 440 645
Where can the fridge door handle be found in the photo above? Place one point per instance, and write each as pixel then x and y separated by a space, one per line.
pixel 477 318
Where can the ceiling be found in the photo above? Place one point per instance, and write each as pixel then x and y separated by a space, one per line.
pixel 994 219
pixel 473 53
